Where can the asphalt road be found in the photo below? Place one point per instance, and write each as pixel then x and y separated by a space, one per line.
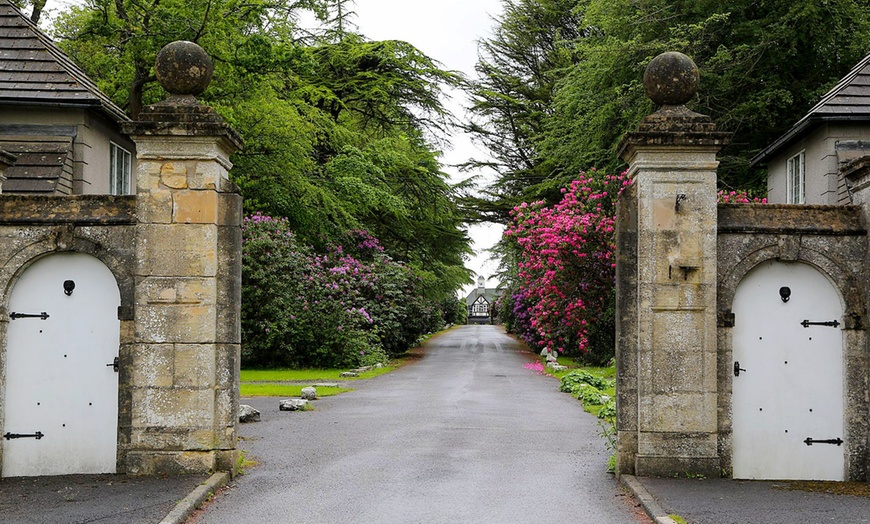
pixel 464 435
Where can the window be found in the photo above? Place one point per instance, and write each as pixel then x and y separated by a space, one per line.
pixel 797 179
pixel 480 308
pixel 119 170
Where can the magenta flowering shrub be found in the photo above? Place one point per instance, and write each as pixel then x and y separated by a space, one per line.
pixel 739 197
pixel 349 306
pixel 563 296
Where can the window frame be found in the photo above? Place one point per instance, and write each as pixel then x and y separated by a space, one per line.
pixel 796 178
pixel 122 185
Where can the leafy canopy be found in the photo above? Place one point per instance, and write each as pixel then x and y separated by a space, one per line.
pixel 341 133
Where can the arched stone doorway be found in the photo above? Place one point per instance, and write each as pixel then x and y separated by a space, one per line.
pixel 787 384
pixel 61 382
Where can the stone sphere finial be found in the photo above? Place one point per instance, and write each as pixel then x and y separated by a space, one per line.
pixel 183 68
pixel 671 79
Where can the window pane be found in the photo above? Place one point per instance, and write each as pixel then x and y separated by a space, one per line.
pixel 119 170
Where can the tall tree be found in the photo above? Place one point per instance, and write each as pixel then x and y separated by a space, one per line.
pixel 340 133
pixel 753 58
pixel 36 7
pixel 518 70
pixel 755 81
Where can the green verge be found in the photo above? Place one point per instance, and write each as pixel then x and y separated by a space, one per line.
pixel 284 390
pixel 607 373
pixel 274 382
pixel 306 375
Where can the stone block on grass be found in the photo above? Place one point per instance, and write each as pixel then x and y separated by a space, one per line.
pixel 292 404
pixel 309 393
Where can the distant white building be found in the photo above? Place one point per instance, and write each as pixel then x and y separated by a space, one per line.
pixel 481 303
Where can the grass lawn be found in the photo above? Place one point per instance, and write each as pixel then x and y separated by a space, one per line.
pixel 273 382
pixel 283 390
pixel 306 375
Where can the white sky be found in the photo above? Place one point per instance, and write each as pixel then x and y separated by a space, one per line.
pixel 448 31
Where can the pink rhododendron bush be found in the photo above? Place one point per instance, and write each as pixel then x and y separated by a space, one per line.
pixel 562 298
pixel 352 305
pixel 739 197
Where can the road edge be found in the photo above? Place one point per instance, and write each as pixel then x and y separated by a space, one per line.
pixel 649 503
pixel 190 503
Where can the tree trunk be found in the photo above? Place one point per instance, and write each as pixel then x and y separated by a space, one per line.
pixel 136 90
pixel 38 6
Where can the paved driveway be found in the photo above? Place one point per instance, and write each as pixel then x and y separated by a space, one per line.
pixel 464 435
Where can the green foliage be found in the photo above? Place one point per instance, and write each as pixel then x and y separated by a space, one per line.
pixel 351 306
pixel 518 71
pixel 608 411
pixel 575 380
pixel 284 390
pixel 589 395
pixel 583 60
pixel 311 375
pixel 340 133
pixel 454 310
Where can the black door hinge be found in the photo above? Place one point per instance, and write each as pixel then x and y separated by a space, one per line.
pixel 810 441
pixel 15 315
pixel 9 436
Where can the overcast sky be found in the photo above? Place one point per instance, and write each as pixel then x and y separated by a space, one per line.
pixel 448 31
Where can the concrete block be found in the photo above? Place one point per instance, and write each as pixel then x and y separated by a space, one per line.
pixel 207 175
pixel 188 250
pixel 155 207
pixel 677 412
pixel 229 209
pixel 172 439
pixel 174 174
pixel 227 364
pixel 146 463
pixel 172 407
pixel 654 466
pixel 177 290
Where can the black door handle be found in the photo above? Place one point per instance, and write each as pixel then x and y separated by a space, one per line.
pixel 737 369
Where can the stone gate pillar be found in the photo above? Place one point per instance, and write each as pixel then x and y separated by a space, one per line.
pixel 183 384
pixel 666 322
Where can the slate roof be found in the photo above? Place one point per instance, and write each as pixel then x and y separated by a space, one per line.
pixel 43 164
pixel 33 70
pixel 489 294
pixel 849 100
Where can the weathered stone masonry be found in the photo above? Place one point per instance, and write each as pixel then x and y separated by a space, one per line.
pixel 184 390
pixel 680 258
pixel 175 252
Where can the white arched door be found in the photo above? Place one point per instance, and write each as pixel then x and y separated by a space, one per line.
pixel 60 411
pixel 787 375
